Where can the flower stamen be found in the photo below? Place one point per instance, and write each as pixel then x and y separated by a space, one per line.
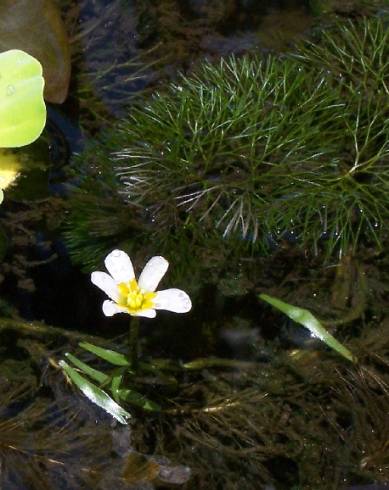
pixel 133 298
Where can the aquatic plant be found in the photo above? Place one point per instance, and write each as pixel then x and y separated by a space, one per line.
pixel 137 298
pixel 304 317
pixel 205 167
pixel 243 155
pixel 354 53
pixel 22 108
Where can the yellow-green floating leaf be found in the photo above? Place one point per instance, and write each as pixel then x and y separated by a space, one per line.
pixel 305 318
pixel 22 108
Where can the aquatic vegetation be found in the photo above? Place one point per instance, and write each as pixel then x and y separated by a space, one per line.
pixel 354 53
pixel 22 108
pixel 243 155
pixel 304 317
pixel 137 298
pixel 119 381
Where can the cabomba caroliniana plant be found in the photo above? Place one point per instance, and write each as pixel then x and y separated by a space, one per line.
pixel 22 107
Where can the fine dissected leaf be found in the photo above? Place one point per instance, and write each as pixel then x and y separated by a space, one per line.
pixel 96 395
pixel 305 318
pixel 22 108
pixel 111 356
pixel 35 26
pixel 96 375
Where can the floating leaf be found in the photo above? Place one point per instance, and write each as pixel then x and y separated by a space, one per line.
pixel 111 356
pixel 22 108
pixel 35 26
pixel 96 395
pixel 305 318
pixel 91 372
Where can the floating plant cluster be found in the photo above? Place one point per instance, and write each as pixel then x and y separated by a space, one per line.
pixel 247 153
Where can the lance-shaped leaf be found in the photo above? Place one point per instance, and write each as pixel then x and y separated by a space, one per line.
pixel 22 108
pixel 305 318
pixel 96 395
pixel 131 396
pixel 111 356
pixel 94 374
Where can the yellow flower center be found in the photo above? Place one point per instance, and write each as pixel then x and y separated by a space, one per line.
pixel 133 298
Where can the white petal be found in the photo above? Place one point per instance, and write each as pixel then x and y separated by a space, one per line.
pixel 110 308
pixel 173 299
pixel 150 313
pixel 106 284
pixel 152 273
pixel 119 265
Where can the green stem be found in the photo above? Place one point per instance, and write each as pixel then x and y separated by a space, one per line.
pixel 133 336
pixel 42 330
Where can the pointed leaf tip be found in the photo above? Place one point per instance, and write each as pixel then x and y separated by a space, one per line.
pixel 306 319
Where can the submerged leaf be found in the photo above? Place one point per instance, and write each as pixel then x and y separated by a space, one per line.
pixel 96 395
pixel 91 372
pixel 135 398
pixel 111 356
pixel 305 318
pixel 22 108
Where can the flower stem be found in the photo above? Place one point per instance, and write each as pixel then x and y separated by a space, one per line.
pixel 133 336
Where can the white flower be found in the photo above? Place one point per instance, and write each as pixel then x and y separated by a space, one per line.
pixel 138 298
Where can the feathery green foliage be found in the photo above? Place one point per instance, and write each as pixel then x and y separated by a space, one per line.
pixel 246 153
pixel 355 53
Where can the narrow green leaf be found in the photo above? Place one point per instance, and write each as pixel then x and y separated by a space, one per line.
pixel 135 398
pixel 305 318
pixel 111 356
pixel 96 375
pixel 115 385
pixel 22 108
pixel 96 395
